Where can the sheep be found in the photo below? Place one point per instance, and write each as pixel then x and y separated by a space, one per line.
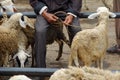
pixel 106 3
pixel 84 73
pixel 11 38
pixel 8 44
pixel 54 33
pixel 85 4
pixel 6 6
pixel 27 26
pixel 19 77
pixel 90 45
pixel 21 57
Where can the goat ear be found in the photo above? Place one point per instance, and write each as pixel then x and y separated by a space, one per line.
pixel 28 55
pixel 113 15
pixel 22 22
pixel 14 9
pixel 1 10
pixel 93 16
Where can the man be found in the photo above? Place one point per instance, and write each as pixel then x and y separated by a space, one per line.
pixel 44 10
pixel 116 48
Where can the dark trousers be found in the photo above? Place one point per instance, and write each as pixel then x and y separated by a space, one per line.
pixel 116 8
pixel 40 38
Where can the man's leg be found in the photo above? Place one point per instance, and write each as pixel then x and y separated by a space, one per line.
pixel 72 30
pixel 40 41
pixel 116 48
pixel 117 23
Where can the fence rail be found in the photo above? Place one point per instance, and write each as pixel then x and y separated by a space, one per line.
pixel 80 15
pixel 46 72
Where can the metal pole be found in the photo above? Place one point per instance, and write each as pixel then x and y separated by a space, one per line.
pixel 80 15
pixel 46 72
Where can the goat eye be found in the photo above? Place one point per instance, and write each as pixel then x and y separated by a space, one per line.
pixel 4 9
pixel 13 1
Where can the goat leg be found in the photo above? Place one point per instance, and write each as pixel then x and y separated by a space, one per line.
pixel 33 55
pixel 60 49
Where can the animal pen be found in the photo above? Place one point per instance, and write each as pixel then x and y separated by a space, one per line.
pixel 46 72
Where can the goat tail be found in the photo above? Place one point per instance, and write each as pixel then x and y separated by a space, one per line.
pixel 73 58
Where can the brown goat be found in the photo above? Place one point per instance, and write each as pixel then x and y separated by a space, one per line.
pixel 54 33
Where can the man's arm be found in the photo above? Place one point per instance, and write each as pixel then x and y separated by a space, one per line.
pixel 38 6
pixel 74 6
pixel 41 9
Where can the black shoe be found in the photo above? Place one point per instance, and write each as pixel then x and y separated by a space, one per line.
pixel 114 49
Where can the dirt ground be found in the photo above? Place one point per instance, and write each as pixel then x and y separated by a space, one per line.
pixel 111 61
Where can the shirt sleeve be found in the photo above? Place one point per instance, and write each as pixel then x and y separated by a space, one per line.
pixel 43 8
pixel 72 14
pixel 74 6
pixel 38 6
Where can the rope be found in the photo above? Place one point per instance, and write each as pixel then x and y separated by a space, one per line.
pixel 60 21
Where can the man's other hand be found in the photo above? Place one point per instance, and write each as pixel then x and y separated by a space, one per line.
pixel 68 19
pixel 49 17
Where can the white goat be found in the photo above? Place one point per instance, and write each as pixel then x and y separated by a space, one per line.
pixel 22 57
pixel 12 38
pixel 90 45
pixel 7 6
pixel 19 77
pixel 84 73
pixel 23 43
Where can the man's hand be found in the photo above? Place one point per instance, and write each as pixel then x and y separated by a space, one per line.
pixel 68 19
pixel 49 17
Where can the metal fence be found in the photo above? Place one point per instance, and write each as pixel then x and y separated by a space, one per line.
pixel 5 71
pixel 80 15
pixel 46 72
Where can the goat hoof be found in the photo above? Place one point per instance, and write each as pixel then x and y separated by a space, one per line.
pixel 57 59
